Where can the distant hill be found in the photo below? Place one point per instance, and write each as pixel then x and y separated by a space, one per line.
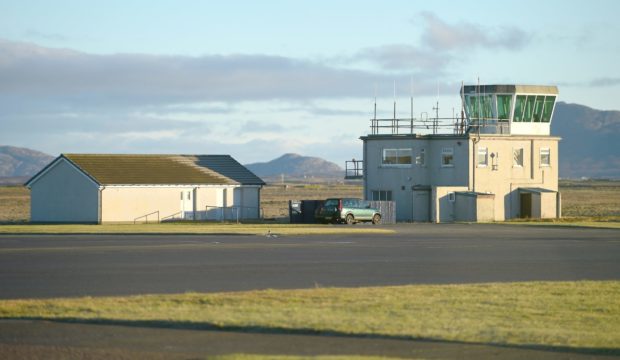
pixel 19 162
pixel 590 141
pixel 297 166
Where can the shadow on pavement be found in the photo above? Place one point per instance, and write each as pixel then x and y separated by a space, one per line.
pixel 186 325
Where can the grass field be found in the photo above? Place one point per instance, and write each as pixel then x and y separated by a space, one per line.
pixel 581 315
pixel 275 198
pixel 590 198
pixel 14 204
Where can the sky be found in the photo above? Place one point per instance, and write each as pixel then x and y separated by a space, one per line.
pixel 257 79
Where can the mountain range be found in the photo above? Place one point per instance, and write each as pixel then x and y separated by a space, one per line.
pixel 588 149
pixel 589 145
pixel 18 164
pixel 297 166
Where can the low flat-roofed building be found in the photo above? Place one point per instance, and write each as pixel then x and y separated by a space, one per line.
pixel 110 188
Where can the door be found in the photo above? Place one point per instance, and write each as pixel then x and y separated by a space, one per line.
pixel 365 210
pixel 421 205
pixel 187 204
pixel 526 205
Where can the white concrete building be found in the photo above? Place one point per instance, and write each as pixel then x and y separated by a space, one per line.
pixel 497 161
pixel 101 188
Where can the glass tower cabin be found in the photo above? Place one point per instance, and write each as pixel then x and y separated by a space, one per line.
pixel 509 109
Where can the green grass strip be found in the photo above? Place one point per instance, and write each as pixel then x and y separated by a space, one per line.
pixel 583 314
pixel 193 228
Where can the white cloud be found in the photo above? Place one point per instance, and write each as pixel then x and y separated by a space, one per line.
pixel 440 35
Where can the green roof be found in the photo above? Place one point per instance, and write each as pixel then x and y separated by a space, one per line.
pixel 111 169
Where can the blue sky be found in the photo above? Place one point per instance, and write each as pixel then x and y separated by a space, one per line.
pixel 258 79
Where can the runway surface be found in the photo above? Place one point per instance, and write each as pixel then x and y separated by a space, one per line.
pixel 42 266
pixel 39 266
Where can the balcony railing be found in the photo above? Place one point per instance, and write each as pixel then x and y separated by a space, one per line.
pixel 354 169
pixel 423 125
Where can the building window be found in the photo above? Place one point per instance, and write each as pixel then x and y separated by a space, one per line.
pixel 483 157
pixel 534 108
pixel 396 157
pixel 420 159
pixel 382 195
pixel 504 106
pixel 451 197
pixel 545 157
pixel 447 157
pixel 517 157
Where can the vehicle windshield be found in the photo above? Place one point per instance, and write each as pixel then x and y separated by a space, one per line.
pixel 331 202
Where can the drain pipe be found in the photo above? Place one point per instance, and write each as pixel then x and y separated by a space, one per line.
pixel 474 141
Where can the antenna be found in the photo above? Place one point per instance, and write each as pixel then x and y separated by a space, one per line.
pixel 394 99
pixel 478 100
pixel 374 119
pixel 394 122
pixel 411 104
pixel 462 106
pixel 436 108
pixel 375 115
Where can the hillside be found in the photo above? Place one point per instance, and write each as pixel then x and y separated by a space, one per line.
pixel 21 162
pixel 294 165
pixel 589 145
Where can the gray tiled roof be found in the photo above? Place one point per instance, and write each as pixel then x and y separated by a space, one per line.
pixel 229 167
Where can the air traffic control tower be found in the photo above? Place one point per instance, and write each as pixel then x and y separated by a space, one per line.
pixel 509 109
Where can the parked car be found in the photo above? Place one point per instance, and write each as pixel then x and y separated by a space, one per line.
pixel 347 211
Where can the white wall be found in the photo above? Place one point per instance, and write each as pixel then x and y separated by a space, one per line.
pixel 64 194
pixel 126 203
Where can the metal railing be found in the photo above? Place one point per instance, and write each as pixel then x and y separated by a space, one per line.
pixel 171 217
pixel 146 217
pixel 424 124
pixel 354 169
pixel 223 213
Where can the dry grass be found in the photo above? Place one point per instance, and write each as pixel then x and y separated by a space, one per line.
pixel 14 204
pixel 590 198
pixel 582 314
pixel 275 198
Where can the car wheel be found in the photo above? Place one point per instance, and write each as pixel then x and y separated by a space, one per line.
pixel 376 219
pixel 349 219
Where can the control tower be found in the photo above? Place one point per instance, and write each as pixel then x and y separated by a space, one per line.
pixel 509 109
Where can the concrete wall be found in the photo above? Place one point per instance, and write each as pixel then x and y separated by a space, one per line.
pixel 500 176
pixel 64 194
pixel 465 207
pixel 548 202
pixel 442 208
pixel 485 207
pixel 126 203
pixel 251 202
pixel 474 207
pixel 403 179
